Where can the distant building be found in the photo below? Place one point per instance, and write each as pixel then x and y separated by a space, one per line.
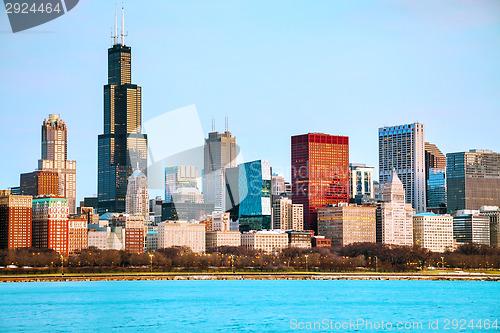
pixel 77 234
pixel 300 239
pixel 97 236
pixel 473 179
pixel 187 194
pixel 176 177
pixel 155 207
pixel 493 212
pixel 219 154
pixel 469 226
pixel 50 224
pixel 394 214
pixel 347 224
pixel 361 180
pixel 137 200
pixel 270 241
pixel 186 211
pixel 39 183
pixel 15 220
pixel 54 158
pixel 216 239
pixel 152 241
pixel 135 231
pixel 320 173
pixel 321 241
pixel 435 175
pixel 180 233
pixel 277 184
pixel 288 216
pixel 402 147
pixel 433 232
pixel 221 222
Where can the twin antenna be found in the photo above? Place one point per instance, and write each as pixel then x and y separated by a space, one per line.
pixel 123 34
pixel 226 123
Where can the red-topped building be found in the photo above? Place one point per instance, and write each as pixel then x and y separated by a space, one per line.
pixel 320 173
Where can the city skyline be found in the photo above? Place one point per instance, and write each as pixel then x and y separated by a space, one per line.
pixel 286 110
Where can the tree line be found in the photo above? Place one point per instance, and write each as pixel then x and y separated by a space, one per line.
pixel 358 256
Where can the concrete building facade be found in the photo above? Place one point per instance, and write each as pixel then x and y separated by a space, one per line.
pixel 15 220
pixel 433 232
pixel 180 233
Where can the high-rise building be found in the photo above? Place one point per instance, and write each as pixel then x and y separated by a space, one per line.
pixel 434 158
pixel 15 220
pixel 254 188
pixel 219 154
pixel 182 176
pixel 320 173
pixel 361 180
pixel 277 184
pixel 134 231
pixel 122 147
pixel 394 214
pixel 137 200
pixel 50 224
pixel 493 212
pixel 470 226
pixel 55 158
pixel 39 183
pixel 402 147
pixel 435 176
pixel 347 224
pixel 473 179
pixel 433 232
pixel 287 215
pixel 77 234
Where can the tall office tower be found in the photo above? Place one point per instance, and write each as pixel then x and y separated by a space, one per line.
pixel 50 224
pixel 394 214
pixel 320 173
pixel 473 179
pixel 361 180
pixel 470 226
pixel 54 158
pixel 77 234
pixel 493 212
pixel 254 187
pixel 122 147
pixel 179 177
pixel 277 184
pixel 435 177
pixel 347 224
pixel 288 216
pixel 39 183
pixel 433 232
pixel 220 153
pixel 402 147
pixel 137 200
pixel 15 220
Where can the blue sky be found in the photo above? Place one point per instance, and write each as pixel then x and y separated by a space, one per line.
pixel 275 68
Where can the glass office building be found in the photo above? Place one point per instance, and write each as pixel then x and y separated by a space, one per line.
pixel 436 188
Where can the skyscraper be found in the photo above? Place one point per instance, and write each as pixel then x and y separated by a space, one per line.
pixel 219 154
pixel 402 148
pixel 394 214
pixel 179 177
pixel 137 201
pixel 122 146
pixel 435 176
pixel 50 224
pixel 55 158
pixel 320 173
pixel 473 179
pixel 361 180
pixel 15 220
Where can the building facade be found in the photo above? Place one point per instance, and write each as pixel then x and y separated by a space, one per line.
pixel 320 173
pixel 179 233
pixel 269 241
pixel 216 239
pixel 493 212
pixel 347 224
pixel 469 226
pixel 299 239
pixel 219 153
pixel 183 176
pixel 122 147
pixel 473 179
pixel 15 220
pixel 55 158
pixel 394 214
pixel 361 180
pixel 50 224
pixel 39 183
pixel 77 234
pixel 433 232
pixel 435 175
pixel 287 216
pixel 402 147
pixel 137 200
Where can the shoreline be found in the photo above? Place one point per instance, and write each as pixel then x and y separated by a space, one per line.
pixel 251 276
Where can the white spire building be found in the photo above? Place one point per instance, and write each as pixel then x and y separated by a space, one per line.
pixel 394 215
pixel 137 200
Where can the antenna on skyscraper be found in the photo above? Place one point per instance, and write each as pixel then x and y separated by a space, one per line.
pixel 123 26
pixel 213 124
pixel 227 123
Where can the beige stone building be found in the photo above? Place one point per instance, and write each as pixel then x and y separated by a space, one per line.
pixel 266 240
pixel 288 216
pixel 347 224
pixel 181 233
pixel 215 239
pixel 394 215
pixel 433 232
pixel 77 234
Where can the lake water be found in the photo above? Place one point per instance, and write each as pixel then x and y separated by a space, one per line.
pixel 249 306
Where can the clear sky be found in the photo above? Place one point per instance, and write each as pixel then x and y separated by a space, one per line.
pixel 275 68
